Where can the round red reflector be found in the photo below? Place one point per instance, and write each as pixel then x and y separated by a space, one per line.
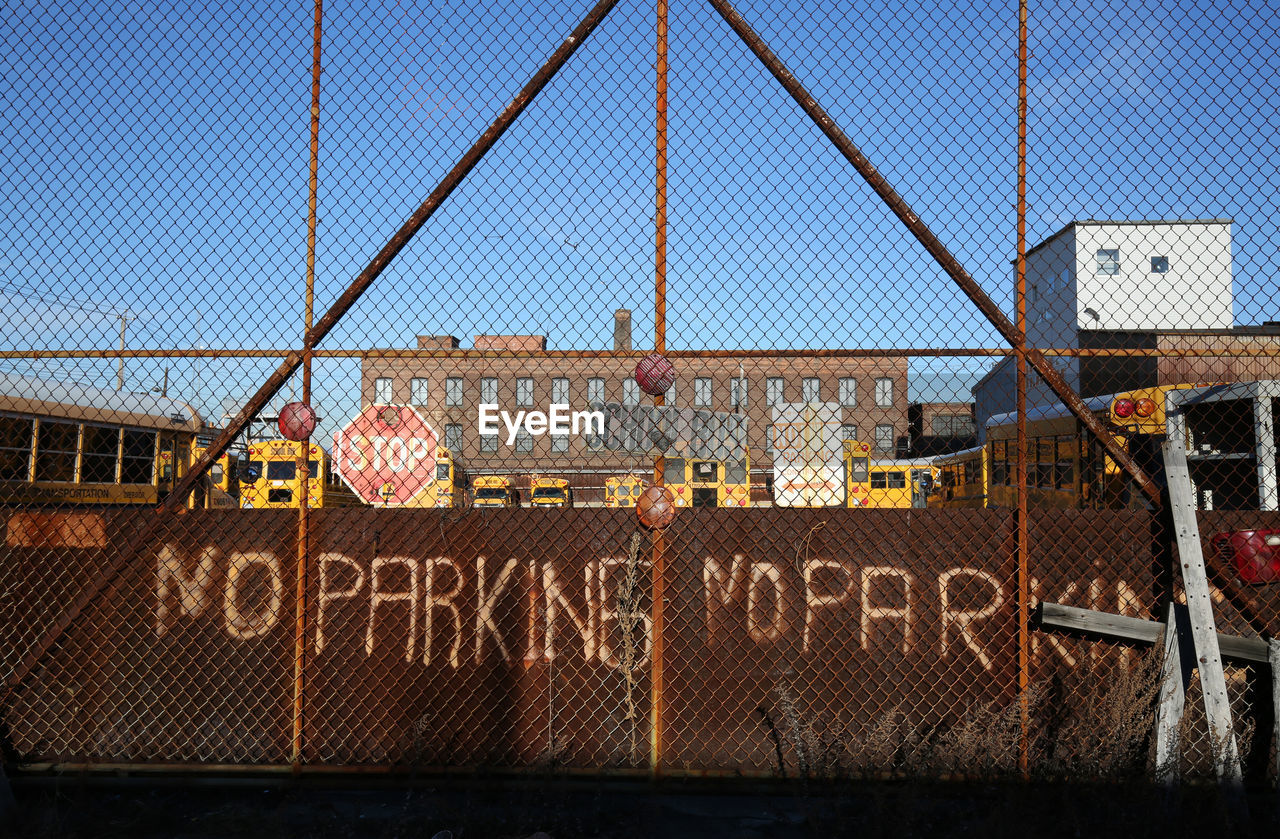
pixel 1144 407
pixel 297 421
pixel 655 374
pixel 1123 408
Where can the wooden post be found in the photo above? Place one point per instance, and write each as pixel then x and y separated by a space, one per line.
pixel 1195 581
pixel 1273 655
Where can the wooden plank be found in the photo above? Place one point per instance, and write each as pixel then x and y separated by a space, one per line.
pixel 1195 581
pixel 1139 630
pixel 1175 674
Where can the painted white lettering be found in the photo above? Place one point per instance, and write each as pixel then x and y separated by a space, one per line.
pixel 486 602
pixel 329 594
pixel 440 597
pixel 244 622
pixel 963 619
pixel 193 592
pixel 556 601
pixel 378 595
pixel 872 613
pixel 813 600
pixel 766 627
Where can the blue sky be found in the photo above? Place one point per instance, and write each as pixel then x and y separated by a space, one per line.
pixel 155 158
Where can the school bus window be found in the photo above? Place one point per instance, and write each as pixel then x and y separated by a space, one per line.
pixel 878 480
pixel 281 470
pixel 215 473
pixel 999 472
pixel 673 470
pixel 313 468
pixel 897 479
pixel 1066 462
pixel 735 472
pixel 101 450
pixel 857 469
pixel 138 465
pixel 279 496
pixel 442 471
pixel 56 451
pixel 15 448
pixel 705 470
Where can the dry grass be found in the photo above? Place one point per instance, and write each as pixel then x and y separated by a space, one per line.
pixel 1096 725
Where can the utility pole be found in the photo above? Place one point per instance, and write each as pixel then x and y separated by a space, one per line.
pixel 120 368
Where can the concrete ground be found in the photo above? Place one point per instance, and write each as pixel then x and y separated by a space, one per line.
pixel 188 808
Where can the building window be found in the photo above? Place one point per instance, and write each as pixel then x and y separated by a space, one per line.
pixel 884 393
pixel 559 391
pixel 524 440
pixel 453 437
pixel 382 391
pixel 811 390
pixel 524 392
pixel 952 426
pixel 1109 261
pixel 559 443
pixel 848 431
pixel 630 391
pixel 595 390
pixel 702 393
pixel 453 392
pixel 488 391
pixel 849 392
pixel 773 393
pixel 418 389
pixel 1159 265
pixel 768 439
pixel 884 438
pixel 738 393
pixel 489 442
pixel 669 396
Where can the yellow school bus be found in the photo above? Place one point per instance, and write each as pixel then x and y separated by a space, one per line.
pixel 270 478
pixel 705 482
pixel 549 492
pixel 222 490
pixel 623 490
pixel 495 491
pixel 963 479
pixel 447 489
pixel 857 473
pixel 899 483
pixel 67 443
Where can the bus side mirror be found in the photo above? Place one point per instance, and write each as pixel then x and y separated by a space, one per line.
pixel 249 473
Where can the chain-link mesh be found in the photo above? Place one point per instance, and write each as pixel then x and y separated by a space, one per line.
pixel 911 370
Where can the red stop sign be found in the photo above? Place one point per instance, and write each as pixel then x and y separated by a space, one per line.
pixel 386 454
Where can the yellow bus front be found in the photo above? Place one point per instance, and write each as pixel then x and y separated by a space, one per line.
pixel 493 491
pixel 549 492
pixel 271 479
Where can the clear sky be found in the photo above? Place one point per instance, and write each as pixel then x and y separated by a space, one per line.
pixel 155 163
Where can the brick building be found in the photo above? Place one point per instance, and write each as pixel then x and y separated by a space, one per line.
pixel 519 373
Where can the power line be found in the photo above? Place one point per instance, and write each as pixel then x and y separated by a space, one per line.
pixel 52 299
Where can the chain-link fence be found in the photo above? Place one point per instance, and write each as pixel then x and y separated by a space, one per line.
pixel 353 351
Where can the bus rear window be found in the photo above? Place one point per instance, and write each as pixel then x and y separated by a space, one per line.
pixel 858 469
pixel 442 471
pixel 281 470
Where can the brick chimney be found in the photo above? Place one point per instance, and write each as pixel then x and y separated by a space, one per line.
pixel 622 330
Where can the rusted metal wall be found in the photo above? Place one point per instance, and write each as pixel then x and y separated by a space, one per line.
pixel 495 639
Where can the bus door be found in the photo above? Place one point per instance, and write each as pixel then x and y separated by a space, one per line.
pixel 172 465
pixel 705 481
pixel 921 484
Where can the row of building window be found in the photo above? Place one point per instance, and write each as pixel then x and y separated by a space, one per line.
pixel 775 391
pixel 883 439
pixel 1109 262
